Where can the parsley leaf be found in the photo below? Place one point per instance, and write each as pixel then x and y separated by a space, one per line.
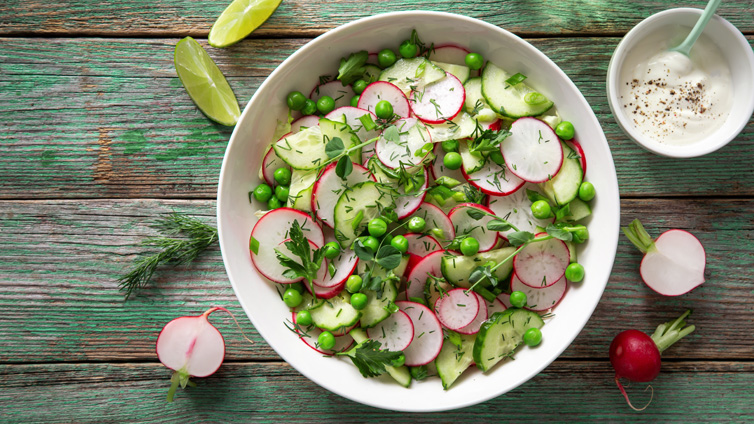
pixel 369 358
pixel 352 68
pixel 488 141
pixel 299 247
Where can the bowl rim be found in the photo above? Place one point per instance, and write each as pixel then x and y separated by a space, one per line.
pixel 700 148
pixel 612 234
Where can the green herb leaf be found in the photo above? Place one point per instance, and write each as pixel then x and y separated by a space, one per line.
pixel 391 134
pixel 254 245
pixel 310 262
pixel 388 257
pixel 516 79
pixel 559 233
pixel 534 196
pixel 520 237
pixel 487 141
pixel 369 358
pixel 498 225
pixel 475 214
pixel 344 167
pixel 334 147
pixel 352 68
pixel 563 212
pixel 362 251
pixel 447 181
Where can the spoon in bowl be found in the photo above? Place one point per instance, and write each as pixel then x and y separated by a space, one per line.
pixel 685 47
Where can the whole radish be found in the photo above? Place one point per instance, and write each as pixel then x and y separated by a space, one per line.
pixel 636 356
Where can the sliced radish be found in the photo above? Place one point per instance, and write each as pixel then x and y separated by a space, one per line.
pixel 421 244
pixel 304 122
pixel 449 53
pixel 417 278
pixel 328 188
pixel 310 334
pixel 439 169
pixel 465 224
pixel 345 264
pixel 438 223
pixel 543 263
pixel 457 308
pixel 394 332
pixel 324 292
pixel 372 59
pixel 382 90
pixel 350 115
pixel 407 204
pixel 440 101
pixel 494 179
pixel 496 305
pixel 516 209
pixel 495 125
pixel 272 162
pixel 532 150
pixel 271 230
pixel 428 337
pixel 413 137
pixel 335 89
pixel 191 345
pixel 576 147
pixel 480 318
pixel 541 299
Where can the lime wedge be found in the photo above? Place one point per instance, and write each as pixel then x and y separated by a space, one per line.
pixel 204 82
pixel 239 19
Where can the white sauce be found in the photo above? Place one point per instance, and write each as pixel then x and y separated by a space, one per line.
pixel 671 98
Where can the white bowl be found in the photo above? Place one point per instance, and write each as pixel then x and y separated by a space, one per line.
pixel 254 131
pixel 737 53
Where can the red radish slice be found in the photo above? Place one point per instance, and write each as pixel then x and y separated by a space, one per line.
pixel 532 150
pixel 372 59
pixel 382 90
pixel 413 260
pixel 328 188
pixel 449 53
pixel 541 299
pixel 270 163
pixel 439 169
pixel 496 305
pixel 345 264
pixel 481 316
pixel 494 179
pixel 335 89
pixel 407 204
pixel 350 115
pixel 324 292
pixel 417 278
pixel 439 101
pixel 457 308
pixel 438 223
pixel 413 136
pixel 427 340
pixel 271 230
pixel 543 263
pixel 304 122
pixel 191 345
pixel 465 224
pixel 576 147
pixel 394 332
pixel 287 252
pixel 422 245
pixel 495 125
pixel 516 209
pixel 311 333
pixel 505 299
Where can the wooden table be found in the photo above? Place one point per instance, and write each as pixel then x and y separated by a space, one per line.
pixel 99 138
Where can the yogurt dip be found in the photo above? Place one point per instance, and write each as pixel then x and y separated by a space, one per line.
pixel 671 98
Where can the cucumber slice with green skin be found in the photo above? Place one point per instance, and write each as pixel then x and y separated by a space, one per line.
pixel 356 207
pixel 400 374
pixel 454 359
pixel 371 73
pixel 300 190
pixel 462 126
pixel 376 309
pixel 459 71
pixel 305 150
pixel 501 335
pixel 472 162
pixel 564 186
pixel 475 101
pixel 579 210
pixel 509 100
pixel 336 313
pixel 456 269
pixel 572 255
pixel 415 72
pixel 331 129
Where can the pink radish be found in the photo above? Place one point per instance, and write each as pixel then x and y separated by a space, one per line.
pixel 344 265
pixel 325 292
pixel 394 332
pixel 428 336
pixel 532 150
pixel 407 204
pixel 382 90
pixel 673 264
pixel 576 147
pixel 495 125
pixel 413 138
pixel 270 163
pixel 449 53
pixel 497 305
pixel 457 308
pixel 516 209
pixel 350 115
pixel 636 356
pixel 543 263
pixel 303 123
pixel 438 223
pixel 494 179
pixel 542 298
pixel 329 186
pixel 417 278
pixel 439 101
pixel 421 245
pixel 465 224
pixel 481 316
pixel 335 89
pixel 309 336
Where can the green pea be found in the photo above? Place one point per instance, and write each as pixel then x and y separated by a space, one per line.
pixel 416 224
pixel 326 340
pixel 386 58
pixel 274 203
pixel 383 109
pixel 377 227
pixel 452 160
pixel 400 243
pixel 282 176
pixel 564 130
pixel 408 49
pixel 497 157
pixel 292 298
pixel 586 191
pixel 310 107
pixel 574 272
pixel 370 243
pixel 533 337
pixel 332 250
pixel 450 146
pixel 541 209
pixel 355 101
pixel 281 192
pixel 359 301
pixel 518 299
pixel 353 284
pixel 469 246
pixel 474 61
pixel 295 100
pixel 325 105
pixel 263 192
pixel 359 86
pixel 304 318
pixel 399 361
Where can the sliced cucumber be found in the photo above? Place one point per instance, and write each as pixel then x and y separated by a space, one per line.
pixel 303 150
pixel 564 186
pixel 572 255
pixel 336 313
pixel 459 71
pixel 510 100
pixel 475 101
pixel 309 303
pixel 371 73
pixel 300 190
pixel 454 359
pixel 376 309
pixel 331 129
pixel 356 207
pixel 472 162
pixel 400 374
pixel 461 126
pixel 416 72
pixel 456 269
pixel 579 210
pixel 433 289
pixel 501 334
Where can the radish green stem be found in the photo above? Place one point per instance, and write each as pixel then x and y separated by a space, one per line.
pixel 639 236
pixel 670 332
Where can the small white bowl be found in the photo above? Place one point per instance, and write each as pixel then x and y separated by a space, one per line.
pixel 737 53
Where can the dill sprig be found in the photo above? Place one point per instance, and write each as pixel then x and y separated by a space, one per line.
pixel 196 237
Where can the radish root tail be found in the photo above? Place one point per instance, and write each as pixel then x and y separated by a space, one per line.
pixel 625 395
pixel 220 308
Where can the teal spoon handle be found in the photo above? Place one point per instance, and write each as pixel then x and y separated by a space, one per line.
pixel 685 47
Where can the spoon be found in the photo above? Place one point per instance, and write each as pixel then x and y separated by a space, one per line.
pixel 685 47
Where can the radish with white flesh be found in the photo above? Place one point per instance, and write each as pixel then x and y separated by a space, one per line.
pixel 310 334
pixel 465 224
pixel 480 318
pixel 532 150
pixel 324 292
pixel 304 122
pixel 440 101
pixel 409 147
pixel 416 181
pixel 382 90
pixel 576 146
pixel 340 94
pixel 345 264
pixel 636 356
pixel 462 126
pixel 497 305
pixel 673 264
pixel 542 263
pixel 438 166
pixel 328 188
pixel 417 278
pixel 449 53
pixel 494 179
pixel 427 340
pixel 394 333
pixel 350 115
pixel 438 223
pixel 495 125
pixel 272 162
pixel 541 299
pixel 457 308
pixel 421 244
pixel 271 230
pixel 516 209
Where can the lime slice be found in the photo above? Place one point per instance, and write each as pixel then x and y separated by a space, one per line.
pixel 205 83
pixel 239 19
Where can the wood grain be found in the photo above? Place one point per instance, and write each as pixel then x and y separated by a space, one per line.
pixel 97 118
pixel 60 260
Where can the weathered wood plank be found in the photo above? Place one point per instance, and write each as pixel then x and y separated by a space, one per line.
pixel 307 18
pixel 274 392
pixel 119 124
pixel 60 260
